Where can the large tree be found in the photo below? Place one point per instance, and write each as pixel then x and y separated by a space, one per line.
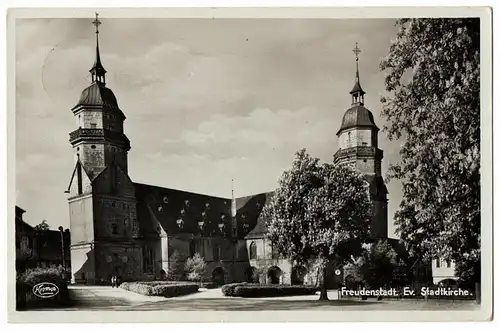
pixel 432 105
pixel 319 211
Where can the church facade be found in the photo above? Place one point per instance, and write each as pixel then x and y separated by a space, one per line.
pixel 133 230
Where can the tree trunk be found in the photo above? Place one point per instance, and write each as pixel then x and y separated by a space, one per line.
pixel 323 293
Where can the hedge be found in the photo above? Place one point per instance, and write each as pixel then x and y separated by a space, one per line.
pixel 159 288
pixel 228 289
pixel 260 290
pixel 25 283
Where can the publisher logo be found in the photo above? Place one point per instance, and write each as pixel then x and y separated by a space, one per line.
pixel 45 290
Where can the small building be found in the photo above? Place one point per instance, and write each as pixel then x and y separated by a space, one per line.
pixel 40 248
pixel 443 272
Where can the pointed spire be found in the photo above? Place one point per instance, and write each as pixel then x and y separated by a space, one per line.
pixel 233 200
pixel 357 92
pixel 98 72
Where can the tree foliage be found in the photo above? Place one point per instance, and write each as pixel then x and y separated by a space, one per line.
pixel 376 265
pixel 432 80
pixel 175 267
pixel 196 268
pixel 319 211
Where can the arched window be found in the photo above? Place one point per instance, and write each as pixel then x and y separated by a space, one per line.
pixel 217 253
pixel 253 251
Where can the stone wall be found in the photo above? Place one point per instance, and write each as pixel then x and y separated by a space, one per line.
pixel 115 218
pixel 86 118
pixel 81 220
pixel 82 264
pixel 356 137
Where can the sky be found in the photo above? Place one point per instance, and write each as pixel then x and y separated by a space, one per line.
pixel 206 100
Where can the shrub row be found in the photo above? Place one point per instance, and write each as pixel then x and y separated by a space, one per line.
pixel 25 283
pixel 260 290
pixel 162 289
pixel 228 289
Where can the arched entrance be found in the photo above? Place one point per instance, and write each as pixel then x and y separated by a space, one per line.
pixel 274 275
pixel 251 275
pixel 218 276
pixel 298 274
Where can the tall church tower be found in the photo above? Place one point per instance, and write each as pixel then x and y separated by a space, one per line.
pixel 102 203
pixel 99 138
pixel 358 148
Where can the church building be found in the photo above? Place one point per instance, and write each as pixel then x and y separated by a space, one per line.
pixel 133 230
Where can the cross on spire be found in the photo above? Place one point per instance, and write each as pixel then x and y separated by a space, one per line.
pixel 98 72
pixel 357 92
pixel 96 23
pixel 356 51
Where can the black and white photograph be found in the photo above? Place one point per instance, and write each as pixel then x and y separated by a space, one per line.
pixel 182 160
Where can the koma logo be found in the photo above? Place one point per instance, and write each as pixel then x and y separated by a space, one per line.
pixel 45 290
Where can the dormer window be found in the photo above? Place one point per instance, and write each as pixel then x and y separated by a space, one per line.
pixel 201 225
pixel 160 208
pixel 180 223
pixel 222 226
pixel 165 199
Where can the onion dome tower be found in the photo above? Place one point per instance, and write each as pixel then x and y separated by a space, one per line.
pixel 358 148
pixel 99 138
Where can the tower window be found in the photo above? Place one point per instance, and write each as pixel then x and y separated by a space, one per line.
pixel 217 253
pixel 253 251
pixel 364 160
pixel 93 146
pixel 78 148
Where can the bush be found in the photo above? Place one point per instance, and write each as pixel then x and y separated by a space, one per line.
pixel 228 289
pixel 173 290
pixel 196 268
pixel 258 290
pixel 159 288
pixel 25 282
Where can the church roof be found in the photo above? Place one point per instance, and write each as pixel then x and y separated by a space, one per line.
pixel 357 116
pixel 180 212
pixel 98 95
pixel 260 229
